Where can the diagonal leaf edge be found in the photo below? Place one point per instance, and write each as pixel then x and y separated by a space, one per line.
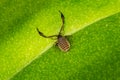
pixel 95 33
pixel 17 38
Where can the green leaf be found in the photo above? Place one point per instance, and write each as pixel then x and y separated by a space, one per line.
pixel 94 50
pixel 94 55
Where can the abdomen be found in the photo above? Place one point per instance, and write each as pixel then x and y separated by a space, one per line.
pixel 63 44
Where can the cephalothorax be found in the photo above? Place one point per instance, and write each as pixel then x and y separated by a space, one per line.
pixel 62 42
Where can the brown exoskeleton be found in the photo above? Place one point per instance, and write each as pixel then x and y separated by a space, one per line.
pixel 62 42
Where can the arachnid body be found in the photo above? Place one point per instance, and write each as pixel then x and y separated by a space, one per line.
pixel 62 42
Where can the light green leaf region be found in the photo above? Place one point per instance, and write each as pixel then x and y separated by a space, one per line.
pixel 94 50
